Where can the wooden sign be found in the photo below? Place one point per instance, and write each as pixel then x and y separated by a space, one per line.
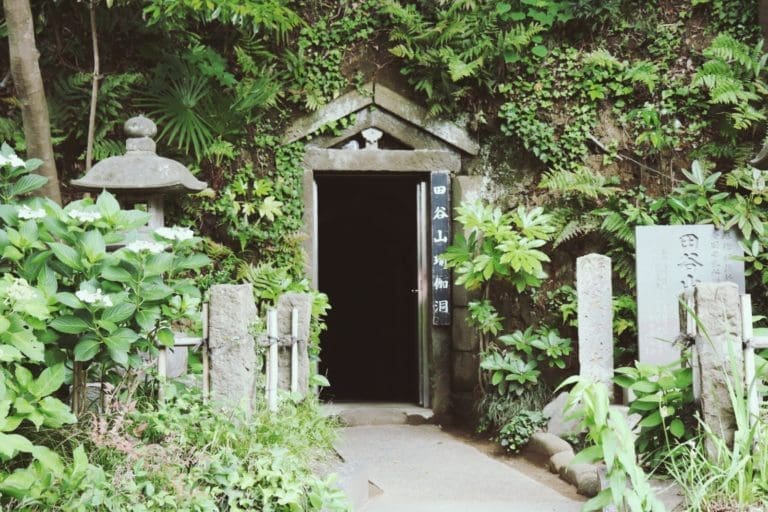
pixel 440 215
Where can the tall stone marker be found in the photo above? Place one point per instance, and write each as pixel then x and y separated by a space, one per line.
pixel 718 346
pixel 595 303
pixel 232 347
pixel 671 260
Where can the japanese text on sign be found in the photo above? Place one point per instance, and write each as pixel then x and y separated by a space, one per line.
pixel 440 207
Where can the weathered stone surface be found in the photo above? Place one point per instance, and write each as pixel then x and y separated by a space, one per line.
pixel 670 261
pixel 404 132
pixel 544 443
pixel 718 346
pixel 418 115
pixel 176 362
pixel 232 350
pixel 465 371
pixel 441 362
pixel 309 226
pixel 464 336
pixel 464 189
pixel 583 476
pixel 595 313
pixel 335 110
pixel 558 424
pixel 405 160
pixel 559 460
pixel 285 304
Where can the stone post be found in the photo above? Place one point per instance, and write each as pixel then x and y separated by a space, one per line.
pixel 285 304
pixel 232 347
pixel 595 314
pixel 720 356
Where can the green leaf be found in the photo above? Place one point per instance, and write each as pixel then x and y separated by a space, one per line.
pixel 653 420
pixel 48 381
pixel 539 50
pixel 118 312
pixel 56 412
pixel 19 482
pixel 154 291
pixel 49 459
pixel 148 318
pixel 165 337
pixel 70 300
pixel 194 261
pixel 108 205
pixel 11 444
pixel 69 324
pixel 94 246
pixel 319 381
pixel 677 428
pixel 66 254
pixel 86 349
pixel 117 274
pixel 25 341
pixel 119 344
pixel 27 184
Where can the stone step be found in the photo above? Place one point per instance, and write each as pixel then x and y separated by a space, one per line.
pixel 367 414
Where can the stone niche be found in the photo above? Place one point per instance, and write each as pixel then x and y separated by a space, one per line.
pixel 389 133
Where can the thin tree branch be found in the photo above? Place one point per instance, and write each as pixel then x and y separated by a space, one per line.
pixel 94 88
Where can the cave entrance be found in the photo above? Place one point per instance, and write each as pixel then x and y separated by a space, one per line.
pixel 372 264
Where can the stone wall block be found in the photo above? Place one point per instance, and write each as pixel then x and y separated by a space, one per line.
pixel 285 304
pixel 465 338
pixel 232 347
pixel 465 371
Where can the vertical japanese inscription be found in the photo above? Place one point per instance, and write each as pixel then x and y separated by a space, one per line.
pixel 440 219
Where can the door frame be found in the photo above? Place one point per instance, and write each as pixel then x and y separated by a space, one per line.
pixel 435 372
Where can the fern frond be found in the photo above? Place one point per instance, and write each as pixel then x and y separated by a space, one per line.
pixel 583 181
pixel 576 228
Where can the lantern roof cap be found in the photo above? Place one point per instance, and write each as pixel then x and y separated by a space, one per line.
pixel 140 169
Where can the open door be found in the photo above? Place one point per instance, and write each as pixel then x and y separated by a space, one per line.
pixel 373 261
pixel 422 264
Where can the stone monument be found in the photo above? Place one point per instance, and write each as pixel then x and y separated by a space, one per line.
pixel 595 314
pixel 671 260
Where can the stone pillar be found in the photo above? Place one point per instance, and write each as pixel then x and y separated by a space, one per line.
pixel 231 346
pixel 595 313
pixel 464 339
pixel 720 356
pixel 285 304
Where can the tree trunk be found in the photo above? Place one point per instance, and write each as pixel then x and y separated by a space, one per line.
pixel 28 83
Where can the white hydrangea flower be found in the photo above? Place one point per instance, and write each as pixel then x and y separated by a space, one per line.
pixel 20 291
pixel 26 213
pixel 175 233
pixel 144 245
pixel 83 216
pixel 97 297
pixel 12 159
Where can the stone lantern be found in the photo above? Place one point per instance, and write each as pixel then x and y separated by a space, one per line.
pixel 140 176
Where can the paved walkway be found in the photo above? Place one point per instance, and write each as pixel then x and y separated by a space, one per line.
pixel 423 469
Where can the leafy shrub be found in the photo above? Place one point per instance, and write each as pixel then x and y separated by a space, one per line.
pixel 106 308
pixel 514 360
pixel 611 441
pixel 517 432
pixel 664 400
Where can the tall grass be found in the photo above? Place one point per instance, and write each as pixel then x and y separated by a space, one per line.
pixel 716 476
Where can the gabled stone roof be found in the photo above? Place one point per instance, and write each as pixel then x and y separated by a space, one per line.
pixel 395 115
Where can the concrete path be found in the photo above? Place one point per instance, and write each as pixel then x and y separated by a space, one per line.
pixel 423 469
